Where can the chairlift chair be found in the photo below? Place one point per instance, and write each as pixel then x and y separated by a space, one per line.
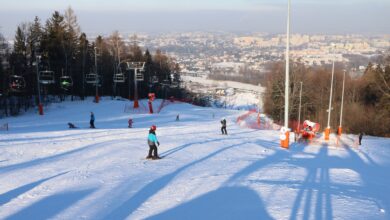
pixel 46 77
pixel 174 84
pixel 154 79
pixel 91 78
pixel 139 76
pixel 165 82
pixel 66 82
pixel 119 78
pixel 17 83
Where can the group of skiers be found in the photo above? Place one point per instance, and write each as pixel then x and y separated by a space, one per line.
pixel 153 142
pixel 91 122
pixel 152 137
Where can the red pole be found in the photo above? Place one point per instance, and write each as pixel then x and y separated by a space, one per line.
pixel 40 108
pixel 150 107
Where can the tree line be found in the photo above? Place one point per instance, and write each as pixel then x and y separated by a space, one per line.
pixel 366 98
pixel 59 45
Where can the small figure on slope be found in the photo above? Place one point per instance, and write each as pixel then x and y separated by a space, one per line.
pixel 92 121
pixel 223 128
pixel 177 117
pixel 360 138
pixel 153 143
pixel 130 123
pixel 71 125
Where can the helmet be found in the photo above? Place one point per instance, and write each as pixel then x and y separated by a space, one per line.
pixel 153 127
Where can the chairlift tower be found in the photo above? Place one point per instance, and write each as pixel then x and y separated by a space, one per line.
pixel 138 76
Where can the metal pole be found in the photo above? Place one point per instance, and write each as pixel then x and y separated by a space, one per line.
pixel 286 88
pixel 135 89
pixel 299 111
pixel 97 79
pixel 342 105
pixel 129 87
pixel 330 97
pixel 118 66
pixel 40 107
pixel 327 130
pixel 285 142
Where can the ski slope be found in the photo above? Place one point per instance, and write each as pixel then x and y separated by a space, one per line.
pixel 48 171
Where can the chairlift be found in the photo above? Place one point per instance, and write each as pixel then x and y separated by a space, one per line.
pixel 165 82
pixel 46 77
pixel 174 84
pixel 154 79
pixel 92 78
pixel 66 82
pixel 119 78
pixel 17 83
pixel 139 76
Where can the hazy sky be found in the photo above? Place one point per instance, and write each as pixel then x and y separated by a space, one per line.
pixel 308 16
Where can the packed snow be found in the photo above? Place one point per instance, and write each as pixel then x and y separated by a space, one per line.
pixel 48 171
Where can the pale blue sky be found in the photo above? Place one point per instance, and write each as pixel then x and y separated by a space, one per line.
pixel 172 4
pixel 308 16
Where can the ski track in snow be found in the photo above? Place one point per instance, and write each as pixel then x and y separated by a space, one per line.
pixel 49 171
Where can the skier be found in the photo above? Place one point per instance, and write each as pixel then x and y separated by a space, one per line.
pixel 130 123
pixel 360 138
pixel 177 117
pixel 223 128
pixel 92 121
pixel 153 143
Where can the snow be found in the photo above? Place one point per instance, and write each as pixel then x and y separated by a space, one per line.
pixel 238 95
pixel 50 171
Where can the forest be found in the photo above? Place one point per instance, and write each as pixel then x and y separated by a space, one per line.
pixel 61 57
pixel 366 98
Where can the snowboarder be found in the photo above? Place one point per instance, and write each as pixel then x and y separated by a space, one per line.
pixel 130 123
pixel 92 121
pixel 153 143
pixel 223 128
pixel 71 125
pixel 360 138
pixel 177 117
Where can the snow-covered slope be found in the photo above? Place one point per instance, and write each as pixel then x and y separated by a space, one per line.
pixel 50 171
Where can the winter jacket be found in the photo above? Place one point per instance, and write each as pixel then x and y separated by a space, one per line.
pixel 223 122
pixel 152 139
pixel 92 117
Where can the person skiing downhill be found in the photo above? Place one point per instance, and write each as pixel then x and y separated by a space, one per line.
pixel 130 123
pixel 360 138
pixel 223 128
pixel 153 143
pixel 92 121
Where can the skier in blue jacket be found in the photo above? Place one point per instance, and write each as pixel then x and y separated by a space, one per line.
pixel 92 121
pixel 153 143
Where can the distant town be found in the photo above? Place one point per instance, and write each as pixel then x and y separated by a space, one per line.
pixel 200 53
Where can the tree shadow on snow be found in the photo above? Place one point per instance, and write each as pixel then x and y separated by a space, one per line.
pixel 142 195
pixel 223 203
pixel 8 196
pixel 52 158
pixel 50 206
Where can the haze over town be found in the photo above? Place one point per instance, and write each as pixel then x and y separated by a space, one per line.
pixel 312 17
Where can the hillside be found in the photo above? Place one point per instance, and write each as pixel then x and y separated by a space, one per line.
pixel 50 171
